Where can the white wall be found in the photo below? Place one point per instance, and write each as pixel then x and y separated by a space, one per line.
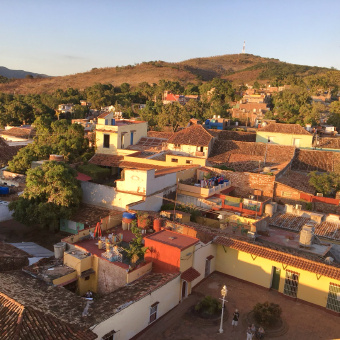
pixel 152 203
pixel 5 213
pixel 155 184
pixel 133 319
pixel 202 251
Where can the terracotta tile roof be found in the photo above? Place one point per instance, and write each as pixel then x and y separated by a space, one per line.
pixel 328 143
pixel 234 135
pixel 90 214
pixel 103 115
pixel 12 258
pixel 148 144
pixel 112 303
pixel 20 322
pixel 106 160
pixel 281 257
pixel 7 152
pixel 19 132
pixel 173 239
pixel 194 135
pixel 169 170
pixel 137 165
pixel 190 275
pixel 160 134
pixel 298 181
pixel 291 129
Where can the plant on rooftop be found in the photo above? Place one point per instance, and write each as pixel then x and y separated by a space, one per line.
pixel 136 246
pixel 52 192
pixel 209 306
pixel 267 314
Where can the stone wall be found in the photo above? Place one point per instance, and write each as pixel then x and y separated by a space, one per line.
pixel 285 191
pixel 246 182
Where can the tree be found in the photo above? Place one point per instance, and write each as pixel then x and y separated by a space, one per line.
pixel 267 314
pixel 52 192
pixel 334 117
pixel 136 247
pixel 325 183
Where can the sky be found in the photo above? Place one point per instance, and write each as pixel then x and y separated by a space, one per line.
pixel 61 37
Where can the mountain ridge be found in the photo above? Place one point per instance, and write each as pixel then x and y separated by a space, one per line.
pixel 18 74
pixel 238 68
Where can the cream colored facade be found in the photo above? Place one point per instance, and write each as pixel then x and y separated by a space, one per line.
pixel 113 134
pixel 300 141
pixel 135 317
pixel 192 150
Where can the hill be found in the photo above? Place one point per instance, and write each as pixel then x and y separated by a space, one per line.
pixel 239 68
pixel 18 74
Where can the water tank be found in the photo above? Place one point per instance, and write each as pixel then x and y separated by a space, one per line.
pixel 129 215
pixel 157 224
pixel 59 249
pixel 57 158
pixel 207 122
pixel 306 235
pixel 4 190
pixel 269 209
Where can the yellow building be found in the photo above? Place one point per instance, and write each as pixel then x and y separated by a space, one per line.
pixel 113 134
pixel 285 134
pixel 296 277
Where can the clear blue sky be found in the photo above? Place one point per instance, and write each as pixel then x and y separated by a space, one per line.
pixel 70 36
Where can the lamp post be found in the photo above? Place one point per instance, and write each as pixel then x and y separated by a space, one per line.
pixel 224 292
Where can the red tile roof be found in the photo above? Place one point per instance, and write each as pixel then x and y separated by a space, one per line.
pixel 194 135
pixel 106 160
pixel 281 257
pixel 291 129
pixel 20 322
pixel 190 275
pixel 83 177
pixel 160 134
pixel 7 152
pixel 173 239
pixel 20 132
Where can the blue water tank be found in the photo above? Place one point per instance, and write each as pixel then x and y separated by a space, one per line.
pixel 207 122
pixel 4 190
pixel 129 215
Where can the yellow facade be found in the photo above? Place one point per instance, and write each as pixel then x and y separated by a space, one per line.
pixel 300 141
pixel 187 258
pixel 312 287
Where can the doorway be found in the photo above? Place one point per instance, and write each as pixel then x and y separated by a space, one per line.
pixel 276 278
pixel 184 289
pixel 207 268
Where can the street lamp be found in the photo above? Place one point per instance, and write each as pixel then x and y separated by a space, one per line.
pixel 224 292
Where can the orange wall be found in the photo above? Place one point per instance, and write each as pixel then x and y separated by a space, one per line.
pixel 165 258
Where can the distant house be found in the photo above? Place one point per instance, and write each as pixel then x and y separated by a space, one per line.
pixel 64 108
pixel 249 113
pixel 19 135
pixel 169 97
pixel 194 141
pixel 285 134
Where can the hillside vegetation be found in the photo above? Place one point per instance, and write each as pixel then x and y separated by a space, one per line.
pixel 238 68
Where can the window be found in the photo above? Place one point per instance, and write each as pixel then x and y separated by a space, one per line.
pixel 188 162
pixel 200 148
pixel 87 278
pixel 106 141
pixel 175 160
pixel 291 284
pixel 270 139
pixel 333 300
pixel 177 146
pixel 153 312
pixel 109 336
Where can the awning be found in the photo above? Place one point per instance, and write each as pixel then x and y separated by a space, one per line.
pixel 190 275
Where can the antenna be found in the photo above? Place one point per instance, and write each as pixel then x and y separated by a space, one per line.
pixel 244 47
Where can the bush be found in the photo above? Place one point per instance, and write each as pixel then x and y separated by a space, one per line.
pixel 266 313
pixel 96 172
pixel 208 306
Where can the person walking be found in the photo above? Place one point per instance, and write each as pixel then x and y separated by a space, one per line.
pixel 236 316
pixel 249 333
